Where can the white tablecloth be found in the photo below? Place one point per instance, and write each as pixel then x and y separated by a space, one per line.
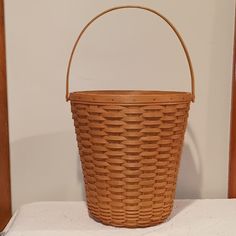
pixel 189 218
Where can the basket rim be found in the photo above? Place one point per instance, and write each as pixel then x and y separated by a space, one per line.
pixel 130 96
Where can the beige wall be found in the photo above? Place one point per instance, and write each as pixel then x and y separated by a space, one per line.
pixel 125 50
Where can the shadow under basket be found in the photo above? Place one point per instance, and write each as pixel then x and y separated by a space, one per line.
pixel 130 145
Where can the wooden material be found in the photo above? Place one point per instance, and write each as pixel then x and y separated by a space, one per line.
pixel 130 156
pixel 232 154
pixel 5 195
pixel 135 7
pixel 130 144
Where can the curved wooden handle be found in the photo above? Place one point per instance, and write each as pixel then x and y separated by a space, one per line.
pixel 136 7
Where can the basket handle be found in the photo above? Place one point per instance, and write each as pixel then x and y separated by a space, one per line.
pixel 136 7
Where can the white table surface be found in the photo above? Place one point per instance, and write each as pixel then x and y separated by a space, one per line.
pixel 189 218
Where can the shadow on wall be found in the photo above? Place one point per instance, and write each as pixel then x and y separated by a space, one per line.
pixel 190 172
pixel 47 168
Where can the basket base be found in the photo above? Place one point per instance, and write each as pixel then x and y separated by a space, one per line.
pixel 133 224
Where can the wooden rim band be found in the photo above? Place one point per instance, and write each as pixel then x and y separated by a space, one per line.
pixel 136 7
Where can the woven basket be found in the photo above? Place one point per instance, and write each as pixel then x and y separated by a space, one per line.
pixel 130 144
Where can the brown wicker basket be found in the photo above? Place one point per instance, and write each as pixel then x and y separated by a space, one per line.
pixel 130 144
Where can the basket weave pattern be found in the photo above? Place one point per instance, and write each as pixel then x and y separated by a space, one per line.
pixel 130 157
pixel 130 144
